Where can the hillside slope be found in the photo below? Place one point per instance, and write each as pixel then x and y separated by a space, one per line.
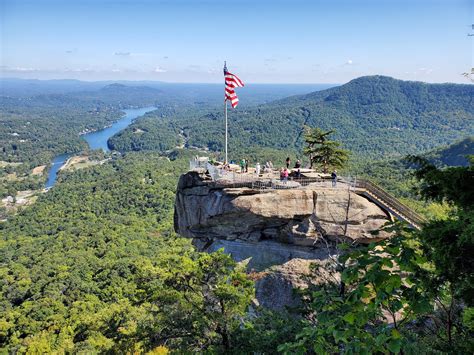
pixel 375 116
pixel 454 154
pixel 396 175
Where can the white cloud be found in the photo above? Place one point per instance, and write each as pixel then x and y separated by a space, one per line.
pixel 159 70
pixel 18 69
pixel 425 70
pixel 122 54
pixel 76 70
pixel 349 62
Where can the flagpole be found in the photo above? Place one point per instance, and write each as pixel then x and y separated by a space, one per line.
pixel 225 112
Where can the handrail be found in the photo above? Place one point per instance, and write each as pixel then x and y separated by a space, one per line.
pixel 273 183
pixel 390 202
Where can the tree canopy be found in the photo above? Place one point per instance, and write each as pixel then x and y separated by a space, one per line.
pixel 94 266
pixel 323 152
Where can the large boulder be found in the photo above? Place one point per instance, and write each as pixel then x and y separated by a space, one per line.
pixel 294 216
pixel 275 287
pixel 277 233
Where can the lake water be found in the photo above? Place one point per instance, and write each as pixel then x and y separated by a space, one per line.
pixel 97 140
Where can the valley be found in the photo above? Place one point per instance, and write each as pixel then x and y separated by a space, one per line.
pixel 131 252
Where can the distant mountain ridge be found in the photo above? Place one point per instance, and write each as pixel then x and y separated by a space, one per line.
pixel 452 155
pixel 173 95
pixel 120 87
pixel 378 90
pixel 375 116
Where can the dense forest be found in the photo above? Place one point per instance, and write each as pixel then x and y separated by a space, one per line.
pixel 397 175
pixel 375 117
pixel 94 266
pixel 41 119
pixel 33 130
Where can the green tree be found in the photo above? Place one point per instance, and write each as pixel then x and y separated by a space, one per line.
pixel 378 296
pixel 203 296
pixel 322 151
pixel 94 267
pixel 449 243
pixel 410 293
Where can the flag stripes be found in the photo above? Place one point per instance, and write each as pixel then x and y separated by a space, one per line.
pixel 232 97
pixel 231 82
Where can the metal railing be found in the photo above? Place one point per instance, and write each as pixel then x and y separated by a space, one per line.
pixel 390 202
pixel 271 181
pixel 198 164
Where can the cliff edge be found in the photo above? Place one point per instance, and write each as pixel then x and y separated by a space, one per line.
pixel 270 228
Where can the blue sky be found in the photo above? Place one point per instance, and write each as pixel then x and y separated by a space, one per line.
pixel 263 41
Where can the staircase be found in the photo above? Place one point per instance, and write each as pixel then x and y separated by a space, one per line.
pixel 388 202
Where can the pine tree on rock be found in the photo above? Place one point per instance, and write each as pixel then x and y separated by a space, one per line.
pixel 322 151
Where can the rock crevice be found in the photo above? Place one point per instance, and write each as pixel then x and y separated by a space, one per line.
pixel 279 232
pixel 293 216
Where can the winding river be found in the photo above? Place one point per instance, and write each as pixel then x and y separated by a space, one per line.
pixel 97 140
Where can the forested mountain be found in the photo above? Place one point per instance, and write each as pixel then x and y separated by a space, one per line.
pixel 43 118
pixel 174 95
pixel 375 117
pixel 94 267
pixel 123 96
pixel 454 154
pixel 396 175
pixel 34 129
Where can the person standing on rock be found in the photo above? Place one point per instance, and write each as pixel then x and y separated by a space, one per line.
pixel 257 169
pixel 242 166
pixel 298 173
pixel 246 165
pixel 285 175
pixel 334 178
pixel 288 161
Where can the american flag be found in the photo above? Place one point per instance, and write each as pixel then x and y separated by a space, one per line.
pixel 231 82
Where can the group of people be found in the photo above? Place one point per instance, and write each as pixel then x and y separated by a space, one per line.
pixel 284 172
pixel 268 168
pixel 297 164
pixel 244 167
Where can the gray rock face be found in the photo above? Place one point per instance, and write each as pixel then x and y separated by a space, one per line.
pixel 275 288
pixel 277 233
pixel 261 255
pixel 294 216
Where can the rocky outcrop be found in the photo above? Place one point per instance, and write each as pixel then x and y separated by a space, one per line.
pixel 294 216
pixel 275 287
pixel 278 233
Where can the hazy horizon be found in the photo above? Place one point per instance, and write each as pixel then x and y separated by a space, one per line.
pixel 117 80
pixel 264 42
